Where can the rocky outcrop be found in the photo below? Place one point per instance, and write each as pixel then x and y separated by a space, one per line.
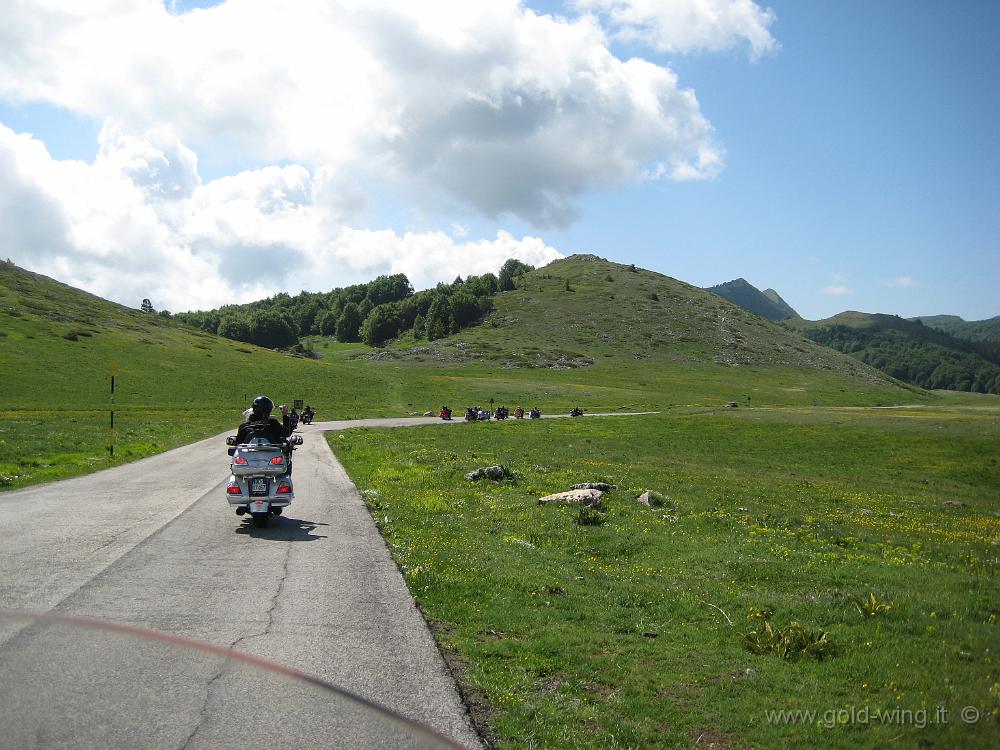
pixel 496 473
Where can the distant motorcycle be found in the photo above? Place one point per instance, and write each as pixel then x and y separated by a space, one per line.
pixel 261 480
pixel 534 413
pixel 576 411
pixel 445 413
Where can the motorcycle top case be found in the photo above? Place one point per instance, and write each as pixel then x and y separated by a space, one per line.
pixel 259 461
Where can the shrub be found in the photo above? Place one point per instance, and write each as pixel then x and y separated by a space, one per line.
pixel 790 642
pixel 871 606
pixel 591 516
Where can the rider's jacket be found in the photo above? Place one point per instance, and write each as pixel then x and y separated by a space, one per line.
pixel 271 429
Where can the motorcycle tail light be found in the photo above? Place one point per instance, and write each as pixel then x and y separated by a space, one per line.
pixel 284 489
pixel 234 489
pixel 278 460
pixel 240 461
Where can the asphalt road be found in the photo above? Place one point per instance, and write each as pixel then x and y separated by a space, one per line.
pixel 154 544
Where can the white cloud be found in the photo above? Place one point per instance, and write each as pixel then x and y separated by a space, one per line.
pixel 483 104
pixel 108 227
pixel 689 25
pixel 453 105
pixel 837 290
pixel 904 282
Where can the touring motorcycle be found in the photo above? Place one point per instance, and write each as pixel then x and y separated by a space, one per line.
pixel 261 481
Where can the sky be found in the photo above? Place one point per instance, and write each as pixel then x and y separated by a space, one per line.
pixel 844 152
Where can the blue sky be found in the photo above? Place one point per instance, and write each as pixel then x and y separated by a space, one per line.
pixel 859 157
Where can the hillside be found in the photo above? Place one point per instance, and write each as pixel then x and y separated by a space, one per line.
pixel 908 350
pixel 969 330
pixel 767 304
pixel 583 310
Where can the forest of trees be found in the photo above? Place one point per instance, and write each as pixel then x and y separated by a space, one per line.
pixel 373 313
pixel 930 361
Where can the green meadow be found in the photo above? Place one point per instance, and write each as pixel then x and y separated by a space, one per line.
pixel 835 564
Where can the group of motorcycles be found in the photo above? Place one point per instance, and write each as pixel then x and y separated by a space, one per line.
pixel 478 414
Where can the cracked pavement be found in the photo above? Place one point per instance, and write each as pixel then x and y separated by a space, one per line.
pixel 155 544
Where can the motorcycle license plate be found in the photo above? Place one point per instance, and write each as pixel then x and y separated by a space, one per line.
pixel 258 486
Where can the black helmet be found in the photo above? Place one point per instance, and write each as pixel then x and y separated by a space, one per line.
pixel 262 406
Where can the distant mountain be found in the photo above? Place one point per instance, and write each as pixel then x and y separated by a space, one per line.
pixel 909 350
pixel 970 330
pixel 780 303
pixel 767 304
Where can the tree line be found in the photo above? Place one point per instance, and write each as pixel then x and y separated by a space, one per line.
pixel 372 313
pixel 927 361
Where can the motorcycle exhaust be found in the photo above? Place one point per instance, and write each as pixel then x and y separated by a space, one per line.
pixel 240 511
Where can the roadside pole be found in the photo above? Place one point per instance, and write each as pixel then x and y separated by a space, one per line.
pixel 111 431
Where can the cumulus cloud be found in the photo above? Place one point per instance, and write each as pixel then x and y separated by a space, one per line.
pixel 686 26
pixel 481 104
pixel 903 282
pixel 111 228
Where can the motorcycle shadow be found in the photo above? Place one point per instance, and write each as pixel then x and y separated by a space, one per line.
pixel 282 529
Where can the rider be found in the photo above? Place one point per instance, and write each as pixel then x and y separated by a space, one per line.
pixel 260 423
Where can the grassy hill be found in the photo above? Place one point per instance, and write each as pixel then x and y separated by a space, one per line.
pixel 767 304
pixel 909 350
pixel 616 339
pixel 581 311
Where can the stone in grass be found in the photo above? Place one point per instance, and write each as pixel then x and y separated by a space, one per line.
pixel 496 473
pixel 954 504
pixel 653 499
pixel 590 498
pixel 602 486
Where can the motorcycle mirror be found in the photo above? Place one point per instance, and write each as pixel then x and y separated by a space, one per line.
pixel 231 440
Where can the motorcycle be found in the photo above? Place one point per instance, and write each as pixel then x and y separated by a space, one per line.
pixel 576 411
pixel 534 414
pixel 445 413
pixel 261 481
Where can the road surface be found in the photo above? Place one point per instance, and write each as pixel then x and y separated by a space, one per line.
pixel 154 544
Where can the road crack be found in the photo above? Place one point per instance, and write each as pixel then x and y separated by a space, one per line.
pixel 272 606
